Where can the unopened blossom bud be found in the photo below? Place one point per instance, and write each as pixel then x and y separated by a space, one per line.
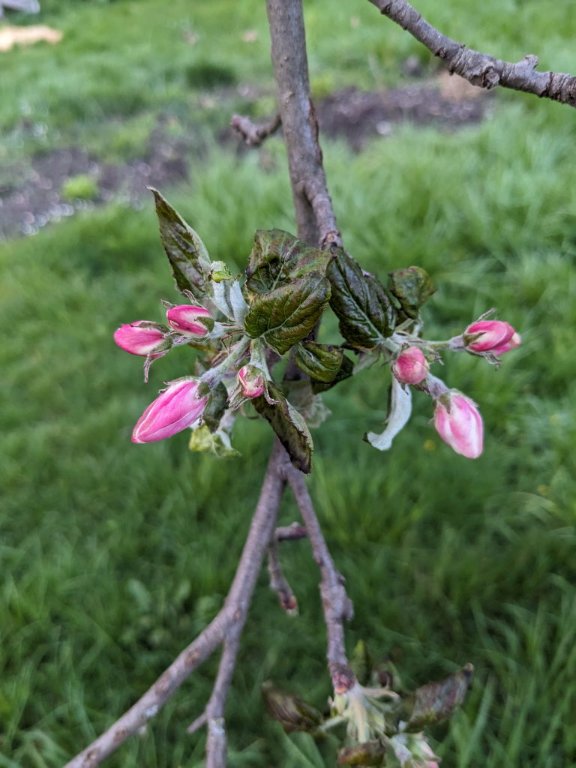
pixel 411 366
pixel 140 338
pixel 176 408
pixel 190 319
pixel 251 381
pixel 458 422
pixel 493 336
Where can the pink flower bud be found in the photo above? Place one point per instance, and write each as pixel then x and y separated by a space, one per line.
pixel 190 319
pixel 410 367
pixel 458 422
pixel 496 337
pixel 251 381
pixel 176 408
pixel 140 338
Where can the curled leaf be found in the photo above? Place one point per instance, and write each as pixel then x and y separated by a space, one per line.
pixel 412 287
pixel 437 701
pixel 292 712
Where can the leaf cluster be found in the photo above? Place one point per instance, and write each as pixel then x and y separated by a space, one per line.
pixel 279 302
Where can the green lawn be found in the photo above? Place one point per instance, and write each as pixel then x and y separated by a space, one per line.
pixel 114 556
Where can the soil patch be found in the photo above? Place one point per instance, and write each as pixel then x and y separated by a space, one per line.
pixel 36 195
pixel 447 102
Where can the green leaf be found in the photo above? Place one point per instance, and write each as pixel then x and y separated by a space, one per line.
pixel 218 443
pixel 289 425
pixel 185 250
pixel 437 701
pixel 278 257
pixel 215 408
pixel 344 372
pixel 360 302
pixel 292 712
pixel 286 315
pixel 320 361
pixel 412 287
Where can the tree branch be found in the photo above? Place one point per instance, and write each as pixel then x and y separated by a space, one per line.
pixel 225 627
pixel 336 604
pixel 312 203
pixel 479 68
pixel 278 582
pixel 254 134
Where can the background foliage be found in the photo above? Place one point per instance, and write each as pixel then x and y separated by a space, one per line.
pixel 113 556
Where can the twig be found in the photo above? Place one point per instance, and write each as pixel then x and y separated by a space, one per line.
pixel 335 602
pixel 278 582
pixel 255 133
pixel 479 68
pixel 312 203
pixel 291 532
pixel 225 627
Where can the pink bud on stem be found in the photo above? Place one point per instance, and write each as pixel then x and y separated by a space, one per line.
pixel 251 381
pixel 140 338
pixel 175 409
pixel 458 422
pixel 189 319
pixel 493 336
pixel 411 366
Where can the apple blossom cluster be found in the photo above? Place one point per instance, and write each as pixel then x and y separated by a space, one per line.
pixel 182 404
pixel 456 417
pixel 242 327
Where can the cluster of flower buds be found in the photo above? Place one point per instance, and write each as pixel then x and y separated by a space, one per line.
pixel 181 405
pixel 456 417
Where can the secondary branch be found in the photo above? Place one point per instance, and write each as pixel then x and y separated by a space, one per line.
pixel 226 627
pixel 479 68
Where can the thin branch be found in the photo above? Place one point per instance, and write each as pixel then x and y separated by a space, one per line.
pixel 312 203
pixel 335 602
pixel 252 133
pixel 291 532
pixel 479 68
pixel 224 627
pixel 279 583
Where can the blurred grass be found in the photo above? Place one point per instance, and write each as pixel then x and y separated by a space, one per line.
pixel 112 553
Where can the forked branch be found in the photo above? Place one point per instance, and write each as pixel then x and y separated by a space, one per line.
pixel 479 68
pixel 224 628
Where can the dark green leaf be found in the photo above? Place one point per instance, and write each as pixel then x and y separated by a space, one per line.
pixel 278 257
pixel 292 712
pixel 345 371
pixel 185 250
pixel 289 425
pixel 412 287
pixel 320 361
pixel 360 302
pixel 437 701
pixel 286 315
pixel 217 404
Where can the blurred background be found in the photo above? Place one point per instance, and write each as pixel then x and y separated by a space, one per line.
pixel 114 556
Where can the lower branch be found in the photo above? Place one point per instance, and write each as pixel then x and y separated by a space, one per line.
pixel 225 628
pixel 255 133
pixel 336 604
pixel 278 582
pixel 479 68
